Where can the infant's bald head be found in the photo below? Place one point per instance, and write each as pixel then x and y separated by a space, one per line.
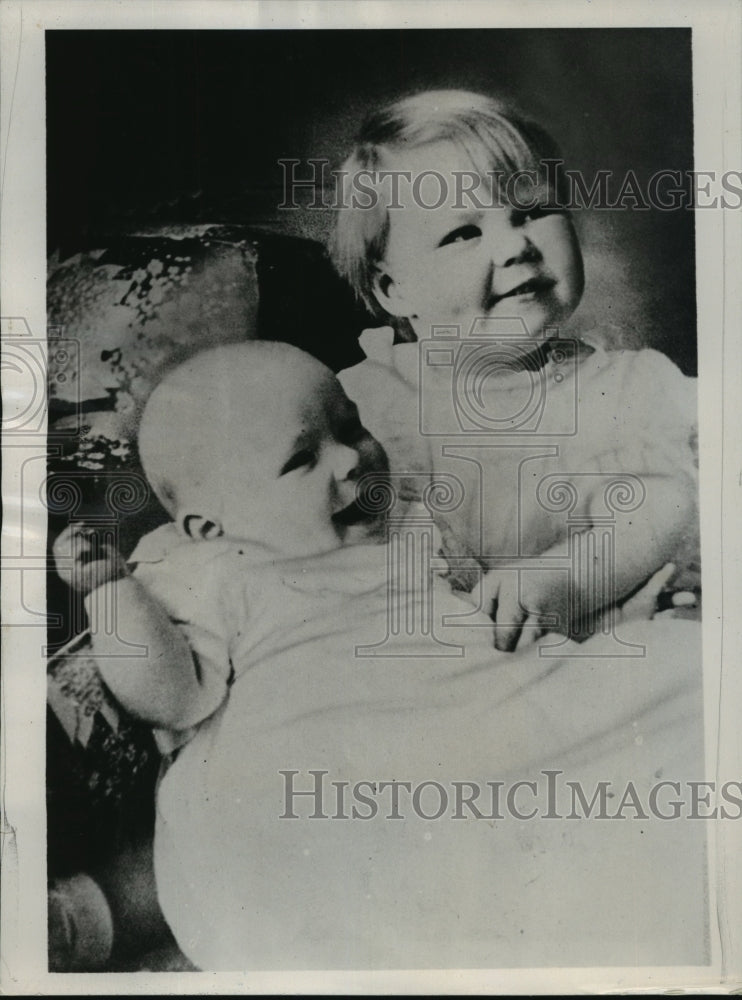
pixel 200 411
pixel 259 440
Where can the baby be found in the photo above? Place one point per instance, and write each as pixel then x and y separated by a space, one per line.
pixel 270 493
pixel 567 455
pixel 263 613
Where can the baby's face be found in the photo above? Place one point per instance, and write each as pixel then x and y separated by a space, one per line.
pixel 453 265
pixel 293 480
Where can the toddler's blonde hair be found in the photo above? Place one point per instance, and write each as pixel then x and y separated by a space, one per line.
pixel 493 135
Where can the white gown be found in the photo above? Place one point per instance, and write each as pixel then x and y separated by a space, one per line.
pixel 244 887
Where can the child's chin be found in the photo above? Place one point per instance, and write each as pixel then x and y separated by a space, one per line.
pixel 534 312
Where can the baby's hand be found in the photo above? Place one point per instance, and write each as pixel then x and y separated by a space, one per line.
pixel 654 600
pixel 523 606
pixel 517 603
pixel 85 560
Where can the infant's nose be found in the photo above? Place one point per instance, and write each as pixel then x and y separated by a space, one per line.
pixel 344 461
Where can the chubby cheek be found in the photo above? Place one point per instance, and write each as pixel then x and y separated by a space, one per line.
pixel 560 250
pixel 313 499
pixel 452 292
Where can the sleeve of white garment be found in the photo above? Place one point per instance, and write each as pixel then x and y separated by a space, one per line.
pixel 186 579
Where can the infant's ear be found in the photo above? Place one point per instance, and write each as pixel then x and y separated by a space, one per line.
pixel 200 528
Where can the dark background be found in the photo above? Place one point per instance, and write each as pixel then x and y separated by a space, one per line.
pixel 145 127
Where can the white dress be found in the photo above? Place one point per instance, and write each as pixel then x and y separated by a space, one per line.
pixel 295 647
pixel 528 451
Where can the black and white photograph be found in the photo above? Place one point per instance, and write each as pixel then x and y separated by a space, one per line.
pixel 371 494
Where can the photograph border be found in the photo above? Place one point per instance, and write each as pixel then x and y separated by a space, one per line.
pixel 717 51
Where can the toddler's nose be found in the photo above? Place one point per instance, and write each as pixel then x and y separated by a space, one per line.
pixel 508 243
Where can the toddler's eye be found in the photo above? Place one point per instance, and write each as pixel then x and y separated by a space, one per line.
pixel 461 235
pixel 305 458
pixel 520 216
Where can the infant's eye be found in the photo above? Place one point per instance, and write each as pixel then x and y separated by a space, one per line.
pixel 461 235
pixel 304 458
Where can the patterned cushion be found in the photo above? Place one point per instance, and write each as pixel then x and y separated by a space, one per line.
pixel 120 316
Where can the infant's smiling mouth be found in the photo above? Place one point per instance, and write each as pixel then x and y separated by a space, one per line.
pixel 353 513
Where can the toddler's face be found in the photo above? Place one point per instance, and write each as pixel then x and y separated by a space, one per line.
pixel 293 480
pixel 453 265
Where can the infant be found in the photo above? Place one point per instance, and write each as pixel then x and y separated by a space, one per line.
pixel 264 613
